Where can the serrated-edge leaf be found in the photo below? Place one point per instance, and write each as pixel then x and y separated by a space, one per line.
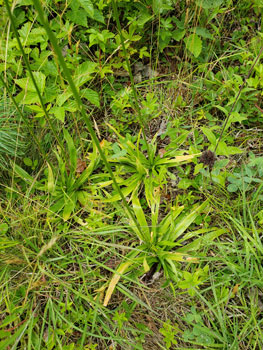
pixel 209 4
pixel 193 44
pixel 178 34
pixel 203 32
pixel 59 113
pixel 92 96
pixel 88 7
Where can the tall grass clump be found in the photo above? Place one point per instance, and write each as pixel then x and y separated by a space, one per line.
pixel 12 140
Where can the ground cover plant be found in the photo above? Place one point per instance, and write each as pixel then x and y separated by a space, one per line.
pixel 131 174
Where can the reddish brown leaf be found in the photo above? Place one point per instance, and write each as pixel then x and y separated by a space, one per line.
pixel 235 289
pixel 161 152
pixel 81 166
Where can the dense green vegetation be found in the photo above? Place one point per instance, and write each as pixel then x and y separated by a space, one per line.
pixel 131 174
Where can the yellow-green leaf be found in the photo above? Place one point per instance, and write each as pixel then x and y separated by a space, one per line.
pixel 115 279
pixel 50 180
pixel 146 267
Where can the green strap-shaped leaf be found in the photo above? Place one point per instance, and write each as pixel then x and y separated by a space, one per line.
pixel 131 186
pixel 72 151
pixel 141 219
pixel 196 244
pixel 186 221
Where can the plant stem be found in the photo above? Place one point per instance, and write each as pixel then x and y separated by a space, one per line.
pixel 137 107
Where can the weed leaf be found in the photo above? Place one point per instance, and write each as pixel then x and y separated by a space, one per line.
pixel 194 44
pixel 88 7
pixel 209 4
